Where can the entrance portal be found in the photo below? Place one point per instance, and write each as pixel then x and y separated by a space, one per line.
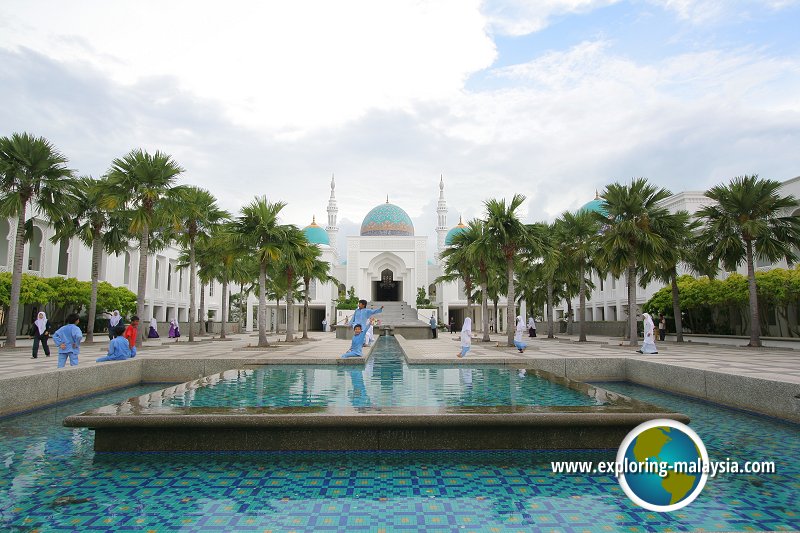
pixel 387 289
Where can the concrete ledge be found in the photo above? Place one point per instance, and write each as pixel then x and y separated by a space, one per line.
pixel 610 368
pixel 774 398
pixel 28 392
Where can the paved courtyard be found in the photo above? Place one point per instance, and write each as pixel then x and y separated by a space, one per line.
pixel 770 363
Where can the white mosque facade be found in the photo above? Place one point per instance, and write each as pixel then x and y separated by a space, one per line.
pixel 387 262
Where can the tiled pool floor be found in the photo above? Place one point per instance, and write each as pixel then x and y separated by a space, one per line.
pixel 53 481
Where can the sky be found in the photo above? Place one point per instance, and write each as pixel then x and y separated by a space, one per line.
pixel 553 99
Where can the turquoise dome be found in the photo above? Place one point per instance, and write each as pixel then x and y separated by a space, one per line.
pixel 595 206
pixel 315 234
pixel 387 219
pixel 448 240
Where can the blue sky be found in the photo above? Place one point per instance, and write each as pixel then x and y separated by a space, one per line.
pixel 549 98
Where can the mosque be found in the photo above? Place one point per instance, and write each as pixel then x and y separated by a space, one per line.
pixel 386 263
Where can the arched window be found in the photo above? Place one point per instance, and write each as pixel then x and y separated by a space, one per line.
pixel 211 289
pixel 180 279
pixel 63 257
pixel 35 250
pixel 5 228
pixel 126 274
pixel 312 290
pixel 169 277
pixel 156 281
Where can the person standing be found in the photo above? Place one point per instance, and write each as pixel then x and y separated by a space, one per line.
pixel 114 321
pixel 491 325
pixel 531 326
pixel 452 325
pixel 325 323
pixel 362 315
pixel 649 345
pixel 174 329
pixel 434 330
pixel 152 333
pixel 41 332
pixel 132 333
pixel 662 327
pixel 68 339
pixel 518 335
pixel 466 337
pixel 370 336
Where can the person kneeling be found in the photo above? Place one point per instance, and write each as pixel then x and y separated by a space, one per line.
pixel 358 342
pixel 118 349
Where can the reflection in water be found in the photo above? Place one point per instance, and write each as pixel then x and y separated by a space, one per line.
pixel 358 395
pixel 466 376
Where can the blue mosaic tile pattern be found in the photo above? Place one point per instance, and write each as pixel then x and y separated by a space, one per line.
pixel 387 219
pixel 53 481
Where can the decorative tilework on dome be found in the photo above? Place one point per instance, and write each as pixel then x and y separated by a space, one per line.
pixel 448 240
pixel 315 234
pixel 595 206
pixel 387 219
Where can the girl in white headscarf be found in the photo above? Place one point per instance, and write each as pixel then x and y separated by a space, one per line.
pixel 649 345
pixel 466 337
pixel 518 335
pixel 531 326
pixel 113 322
pixel 41 332
pixel 153 332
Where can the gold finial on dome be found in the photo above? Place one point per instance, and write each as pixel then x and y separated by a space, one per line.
pixel 460 222
pixel 313 222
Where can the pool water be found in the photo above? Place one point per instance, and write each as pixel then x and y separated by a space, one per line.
pixel 385 381
pixel 53 481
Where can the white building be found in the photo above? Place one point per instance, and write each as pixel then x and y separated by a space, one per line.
pixel 387 262
pixel 609 299
pixel 167 292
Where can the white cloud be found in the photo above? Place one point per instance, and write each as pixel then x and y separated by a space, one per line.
pixel 705 11
pixel 522 17
pixel 282 67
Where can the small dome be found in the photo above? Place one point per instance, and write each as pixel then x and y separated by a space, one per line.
pixel 595 206
pixel 387 219
pixel 316 234
pixel 448 240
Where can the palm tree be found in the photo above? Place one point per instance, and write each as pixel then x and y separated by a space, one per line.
pixel 629 241
pixel 293 247
pixel 95 222
pixel 579 235
pixel 312 267
pixel 680 231
pixel 32 172
pixel 196 213
pixel 459 263
pixel 508 233
pixel 479 245
pixel 258 228
pixel 750 220
pixel 549 267
pixel 143 181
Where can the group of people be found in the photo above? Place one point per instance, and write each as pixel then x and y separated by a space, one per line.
pixel 362 325
pixel 173 333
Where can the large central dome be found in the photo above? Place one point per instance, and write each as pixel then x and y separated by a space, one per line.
pixel 387 219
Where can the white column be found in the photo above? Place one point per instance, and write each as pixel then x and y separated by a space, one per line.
pixel 249 317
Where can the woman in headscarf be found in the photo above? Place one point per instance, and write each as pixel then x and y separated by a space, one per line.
pixel 41 332
pixel 174 329
pixel 113 322
pixel 518 335
pixel 152 333
pixel 531 326
pixel 649 345
pixel 466 337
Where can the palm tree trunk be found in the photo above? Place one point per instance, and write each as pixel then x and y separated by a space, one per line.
pixel 550 334
pixel 582 307
pixel 676 306
pixel 289 302
pixel 262 305
pixel 202 316
pixel 305 310
pixel 755 325
pixel 96 251
pixel 141 287
pixel 634 340
pixel 485 310
pixel 16 281
pixel 224 308
pixel 511 302
pixel 192 283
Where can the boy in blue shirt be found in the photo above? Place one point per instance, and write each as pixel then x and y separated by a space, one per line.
pixel 118 349
pixel 68 339
pixel 357 344
pixel 362 315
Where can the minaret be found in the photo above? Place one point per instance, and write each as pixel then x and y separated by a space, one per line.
pixel 441 227
pixel 332 211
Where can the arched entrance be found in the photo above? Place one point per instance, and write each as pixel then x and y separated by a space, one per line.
pixel 387 289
